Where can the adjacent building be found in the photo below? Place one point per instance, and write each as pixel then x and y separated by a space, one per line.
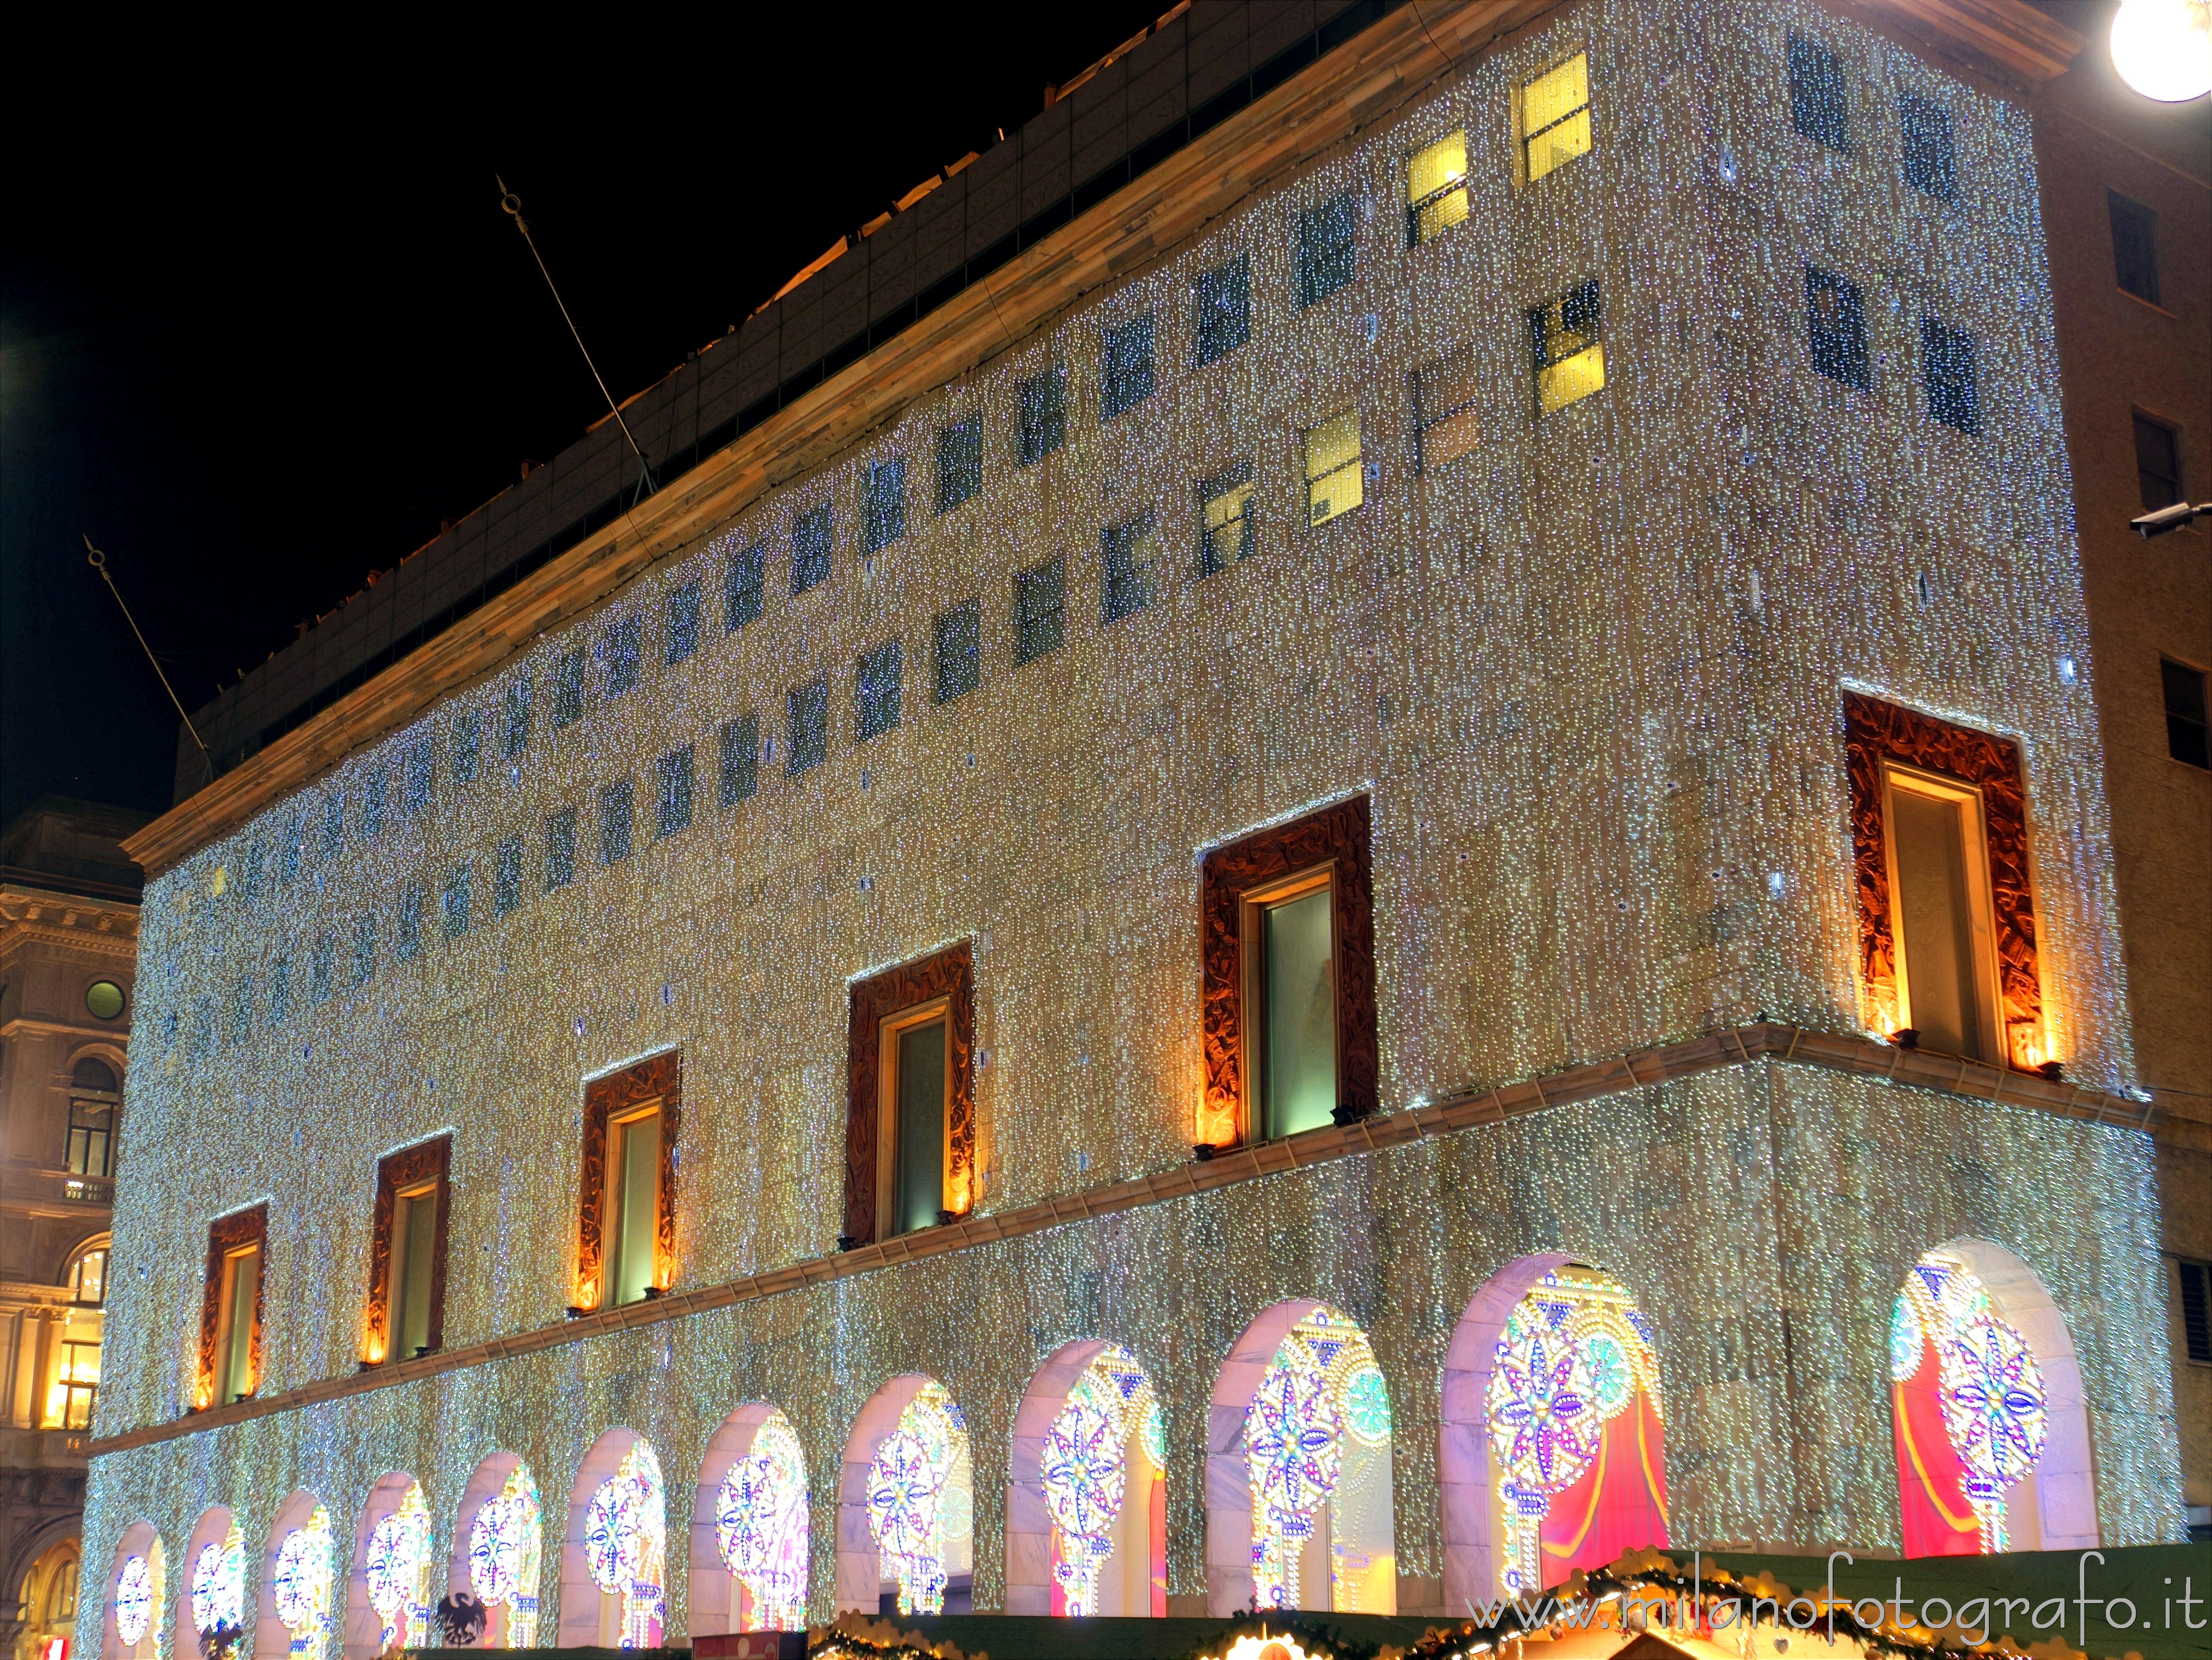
pixel 1340 836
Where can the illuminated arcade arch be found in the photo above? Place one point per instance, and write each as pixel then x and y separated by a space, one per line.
pixel 499 1535
pixel 299 1574
pixel 1297 1469
pixel 211 1580
pixel 749 1527
pixel 906 1503
pixel 137 1592
pixel 388 1595
pixel 1991 1439
pixel 614 1560
pixel 1554 1453
pixel 1086 1493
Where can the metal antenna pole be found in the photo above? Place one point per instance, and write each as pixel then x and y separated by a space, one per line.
pixel 98 561
pixel 513 204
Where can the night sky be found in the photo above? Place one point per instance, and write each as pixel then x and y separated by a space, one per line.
pixel 265 325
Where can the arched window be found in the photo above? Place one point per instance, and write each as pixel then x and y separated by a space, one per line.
pixel 95 1075
pixel 498 1545
pixel 214 1580
pixel 48 1596
pixel 1300 1430
pixel 87 1274
pixel 95 1099
pixel 137 1596
pixel 1087 1504
pixel 1991 1439
pixel 750 1546
pixel 1553 1453
pixel 906 1505
pixel 618 1515
pixel 298 1578
pixel 388 1598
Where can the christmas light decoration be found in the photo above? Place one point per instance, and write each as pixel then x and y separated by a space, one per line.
pixel 505 1544
pixel 1295 1427
pixel 626 1545
pixel 397 1569
pixel 218 1583
pixel 761 1528
pixel 911 1502
pixel 137 1599
pixel 301 1580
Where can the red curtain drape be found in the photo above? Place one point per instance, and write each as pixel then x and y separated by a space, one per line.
pixel 1931 1481
pixel 1619 1504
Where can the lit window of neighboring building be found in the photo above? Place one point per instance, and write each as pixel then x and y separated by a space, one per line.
pixel 1333 485
pixel 959 650
pixel 1129 568
pixel 1819 93
pixel 672 808
pixel 1040 609
pixel 2135 246
pixel 806 711
pixel 1555 118
pixel 1924 129
pixel 809 549
pixel 1436 189
pixel 1222 310
pixel 88 1276
pixel 741 585
pixel 1444 398
pixel 1328 248
pixel 1835 328
pixel 2158 462
pixel 1566 337
pixel 1126 366
pixel 959 462
pixel 882 490
pixel 1949 376
pixel 2186 735
pixel 76 1385
pixel 1044 414
pixel 681 623
pixel 739 775
pixel 876 691
pixel 1226 529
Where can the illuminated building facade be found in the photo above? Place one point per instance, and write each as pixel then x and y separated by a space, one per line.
pixel 1382 872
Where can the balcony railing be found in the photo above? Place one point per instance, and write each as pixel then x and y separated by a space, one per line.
pixel 36 1186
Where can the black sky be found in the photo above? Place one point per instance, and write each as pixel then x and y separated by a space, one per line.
pixel 263 324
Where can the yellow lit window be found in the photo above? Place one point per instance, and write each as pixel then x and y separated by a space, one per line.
pixel 1555 117
pixel 1569 357
pixel 1436 189
pixel 1227 533
pixel 1445 394
pixel 1333 481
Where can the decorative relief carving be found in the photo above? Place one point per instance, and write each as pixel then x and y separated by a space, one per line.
pixel 660 1079
pixel 225 1235
pixel 950 974
pixel 1876 732
pixel 405 1169
pixel 1336 836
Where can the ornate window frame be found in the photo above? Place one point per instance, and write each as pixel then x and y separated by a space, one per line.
pixel 658 1079
pixel 947 975
pixel 1880 735
pixel 226 1235
pixel 1335 837
pixel 410 1167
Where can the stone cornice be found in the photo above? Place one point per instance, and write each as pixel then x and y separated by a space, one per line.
pixel 1716 1051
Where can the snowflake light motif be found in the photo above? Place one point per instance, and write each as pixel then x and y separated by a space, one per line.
pixel 905 1485
pixel 1291 1456
pixel 1085 1477
pixel 219 1583
pixel 625 1541
pixel 397 1567
pixel 761 1528
pixel 302 1581
pixel 137 1600
pixel 504 1547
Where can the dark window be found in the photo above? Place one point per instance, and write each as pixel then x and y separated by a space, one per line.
pixel 740 772
pixel 507 877
pixel 249 873
pixel 2196 1310
pixel 1126 367
pixel 94 1074
pixel 468 744
pixel 1128 562
pixel 2184 712
pixel 364 949
pixel 333 824
pixel 453 904
pixel 1040 609
pixel 1947 371
pixel 1835 323
pixel 323 968
pixel 372 803
pixel 419 773
pixel 741 586
pixel 296 833
pixel 514 733
pixel 1328 248
pixel 91 1137
pixel 1224 520
pixel 806 712
pixel 959 651
pixel 959 462
pixel 2135 245
pixel 1223 307
pixel 280 991
pixel 619 649
pixel 414 900
pixel 885 491
pixel 1044 414
pixel 1931 165
pixel 809 549
pixel 876 692
pixel 2158 463
pixel 561 850
pixel 241 1010
pixel 617 820
pixel 569 689
pixel 1819 96
pixel 682 621
pixel 672 809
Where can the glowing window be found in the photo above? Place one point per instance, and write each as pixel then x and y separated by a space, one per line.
pixel 1569 353
pixel 760 1529
pixel 1445 393
pixel 1226 530
pixel 632 1227
pixel 411 1318
pixel 505 1542
pixel 916 1115
pixel 1947 970
pixel 626 1548
pixel 1317 1454
pixel 1334 481
pixel 237 1335
pixel 301 1580
pixel 76 1386
pixel 1555 117
pixel 1290 934
pixel 397 1566
pixel 920 1489
pixel 1436 189
pixel 88 1276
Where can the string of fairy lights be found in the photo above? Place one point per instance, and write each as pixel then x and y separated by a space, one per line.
pixel 1592 671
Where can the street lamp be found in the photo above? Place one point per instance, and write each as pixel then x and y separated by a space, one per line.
pixel 2168 518
pixel 2163 48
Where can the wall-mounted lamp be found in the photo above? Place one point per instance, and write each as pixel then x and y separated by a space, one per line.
pixel 2169 518
pixel 2163 48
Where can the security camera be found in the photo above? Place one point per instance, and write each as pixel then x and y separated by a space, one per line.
pixel 2166 518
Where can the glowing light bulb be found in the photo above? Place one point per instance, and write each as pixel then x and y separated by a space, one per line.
pixel 2163 48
